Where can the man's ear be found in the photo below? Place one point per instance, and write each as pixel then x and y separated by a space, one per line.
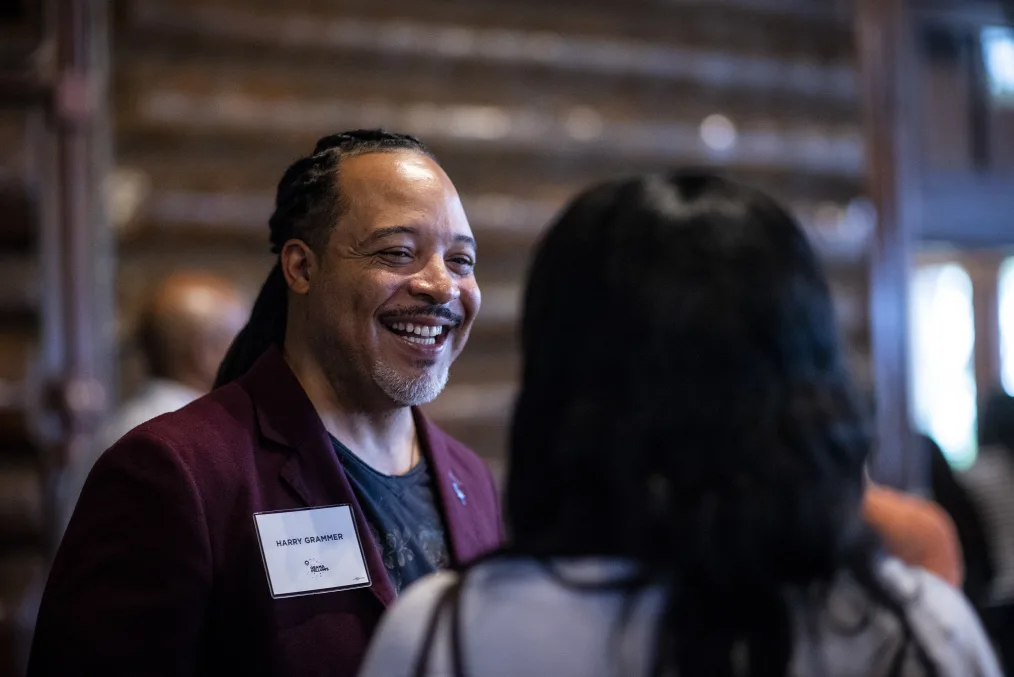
pixel 299 265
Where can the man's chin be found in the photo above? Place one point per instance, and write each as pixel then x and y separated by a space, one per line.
pixel 410 389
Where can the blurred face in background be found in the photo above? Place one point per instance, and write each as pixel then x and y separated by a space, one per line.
pixel 188 325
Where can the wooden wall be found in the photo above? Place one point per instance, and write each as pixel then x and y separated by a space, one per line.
pixel 523 101
pixel 22 503
pixel 54 254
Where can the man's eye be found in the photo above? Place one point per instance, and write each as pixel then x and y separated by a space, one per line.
pixel 398 255
pixel 463 261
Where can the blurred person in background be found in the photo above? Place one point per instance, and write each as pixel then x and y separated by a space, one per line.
pixel 263 529
pixel 968 524
pixel 185 328
pixel 184 332
pixel 686 469
pixel 990 481
pixel 917 530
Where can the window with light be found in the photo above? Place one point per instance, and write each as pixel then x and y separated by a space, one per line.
pixel 943 354
pixel 1007 324
pixel 998 58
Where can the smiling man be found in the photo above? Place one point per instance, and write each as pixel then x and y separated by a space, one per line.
pixel 263 529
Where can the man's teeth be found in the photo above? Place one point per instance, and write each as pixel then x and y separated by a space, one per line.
pixel 418 329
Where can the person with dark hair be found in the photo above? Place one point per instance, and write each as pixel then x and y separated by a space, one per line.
pixel 684 488
pixel 954 499
pixel 990 482
pixel 263 529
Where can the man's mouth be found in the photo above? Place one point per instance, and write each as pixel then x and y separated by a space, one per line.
pixel 420 334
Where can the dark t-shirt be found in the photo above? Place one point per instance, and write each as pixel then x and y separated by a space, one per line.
pixel 403 516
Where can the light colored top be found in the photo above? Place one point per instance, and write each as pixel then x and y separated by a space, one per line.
pixel 989 483
pixel 519 620
pixel 157 397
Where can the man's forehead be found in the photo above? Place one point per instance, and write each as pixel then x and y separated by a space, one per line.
pixel 399 176
pixel 400 189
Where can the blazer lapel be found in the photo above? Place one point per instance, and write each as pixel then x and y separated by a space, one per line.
pixel 453 489
pixel 312 471
pixel 292 475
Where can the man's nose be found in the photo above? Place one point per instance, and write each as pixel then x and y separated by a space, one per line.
pixel 435 283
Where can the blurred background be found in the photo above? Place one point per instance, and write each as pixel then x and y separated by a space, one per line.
pixel 143 137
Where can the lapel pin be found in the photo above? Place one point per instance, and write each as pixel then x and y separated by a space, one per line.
pixel 457 488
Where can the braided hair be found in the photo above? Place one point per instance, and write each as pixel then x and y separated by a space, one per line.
pixel 307 205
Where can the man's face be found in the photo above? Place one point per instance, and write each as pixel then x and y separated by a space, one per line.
pixel 396 292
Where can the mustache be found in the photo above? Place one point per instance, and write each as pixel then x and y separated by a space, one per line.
pixel 443 312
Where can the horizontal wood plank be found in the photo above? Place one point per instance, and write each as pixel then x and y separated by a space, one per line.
pixel 248 166
pixel 578 132
pixel 511 223
pixel 614 41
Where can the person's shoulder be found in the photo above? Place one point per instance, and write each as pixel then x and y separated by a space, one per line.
pixel 925 519
pixel 942 618
pixel 915 529
pixel 404 627
pixel 420 597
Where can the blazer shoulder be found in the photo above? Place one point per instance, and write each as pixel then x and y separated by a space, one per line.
pixel 207 433
pixel 227 409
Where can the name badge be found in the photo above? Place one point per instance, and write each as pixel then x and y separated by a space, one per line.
pixel 311 550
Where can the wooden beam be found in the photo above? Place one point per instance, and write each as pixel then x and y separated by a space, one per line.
pixel 830 10
pixel 964 13
pixel 980 115
pixel 984 270
pixel 885 60
pixel 72 247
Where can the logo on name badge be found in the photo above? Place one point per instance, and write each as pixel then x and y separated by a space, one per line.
pixel 311 550
pixel 316 568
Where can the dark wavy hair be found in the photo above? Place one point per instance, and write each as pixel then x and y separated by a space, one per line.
pixel 309 202
pixel 685 402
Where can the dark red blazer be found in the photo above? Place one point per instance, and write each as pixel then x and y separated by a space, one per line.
pixel 160 572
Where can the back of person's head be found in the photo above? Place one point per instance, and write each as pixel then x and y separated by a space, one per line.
pixel 308 204
pixel 187 324
pixel 685 402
